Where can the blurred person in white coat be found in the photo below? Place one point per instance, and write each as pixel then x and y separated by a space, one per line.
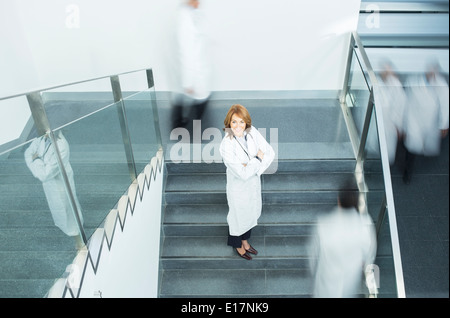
pixel 389 93
pixel 427 116
pixel 193 93
pixel 343 246
pixel 246 155
pixel 40 158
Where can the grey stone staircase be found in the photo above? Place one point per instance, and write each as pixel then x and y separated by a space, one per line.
pixel 196 261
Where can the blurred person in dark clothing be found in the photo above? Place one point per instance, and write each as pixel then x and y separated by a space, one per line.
pixel 193 94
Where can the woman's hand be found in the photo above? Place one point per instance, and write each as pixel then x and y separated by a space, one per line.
pixel 260 154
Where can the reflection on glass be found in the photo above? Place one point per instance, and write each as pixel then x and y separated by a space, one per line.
pixel 41 159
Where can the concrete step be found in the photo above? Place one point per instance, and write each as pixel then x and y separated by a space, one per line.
pixel 243 282
pixel 25 288
pixel 298 165
pixel 212 252
pixel 34 264
pixel 216 213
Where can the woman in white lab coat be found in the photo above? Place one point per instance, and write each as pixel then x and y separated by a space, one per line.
pixel 40 158
pixel 246 155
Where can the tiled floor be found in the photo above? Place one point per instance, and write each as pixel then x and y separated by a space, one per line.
pixel 422 209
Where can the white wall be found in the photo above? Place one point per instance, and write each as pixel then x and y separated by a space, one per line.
pixel 62 41
pixel 257 44
pixel 280 45
pixel 130 268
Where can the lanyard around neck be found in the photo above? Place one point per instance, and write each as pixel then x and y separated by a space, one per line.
pixel 242 146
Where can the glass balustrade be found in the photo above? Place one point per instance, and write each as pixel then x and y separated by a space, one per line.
pixel 373 171
pixel 65 167
pixel 144 130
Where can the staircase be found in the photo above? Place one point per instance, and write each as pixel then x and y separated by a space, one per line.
pixel 195 258
pixel 33 251
pixel 196 261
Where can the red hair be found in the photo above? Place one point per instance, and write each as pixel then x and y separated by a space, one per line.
pixel 239 111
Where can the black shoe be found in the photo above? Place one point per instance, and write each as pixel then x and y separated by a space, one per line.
pixel 252 250
pixel 245 255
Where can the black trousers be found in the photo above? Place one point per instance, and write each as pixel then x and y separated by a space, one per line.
pixel 406 161
pixel 236 241
pixel 196 111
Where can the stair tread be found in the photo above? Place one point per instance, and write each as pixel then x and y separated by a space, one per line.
pixel 216 182
pixel 215 246
pixel 216 213
pixel 243 282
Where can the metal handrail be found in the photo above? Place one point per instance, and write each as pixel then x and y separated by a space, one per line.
pixel 42 124
pixel 385 166
pixel 72 83
pixel 35 94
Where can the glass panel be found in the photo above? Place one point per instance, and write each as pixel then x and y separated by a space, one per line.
pixel 132 83
pixel 374 177
pixel 358 93
pixel 38 234
pixel 375 196
pixel 14 126
pixel 99 164
pixel 385 261
pixel 140 116
pixel 67 104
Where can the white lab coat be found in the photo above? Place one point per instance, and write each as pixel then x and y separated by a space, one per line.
pixel 244 182
pixel 345 243
pixel 46 169
pixel 390 95
pixel 194 62
pixel 427 114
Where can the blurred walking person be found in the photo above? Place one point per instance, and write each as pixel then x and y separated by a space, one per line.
pixel 193 93
pixel 343 246
pixel 427 116
pixel 392 98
